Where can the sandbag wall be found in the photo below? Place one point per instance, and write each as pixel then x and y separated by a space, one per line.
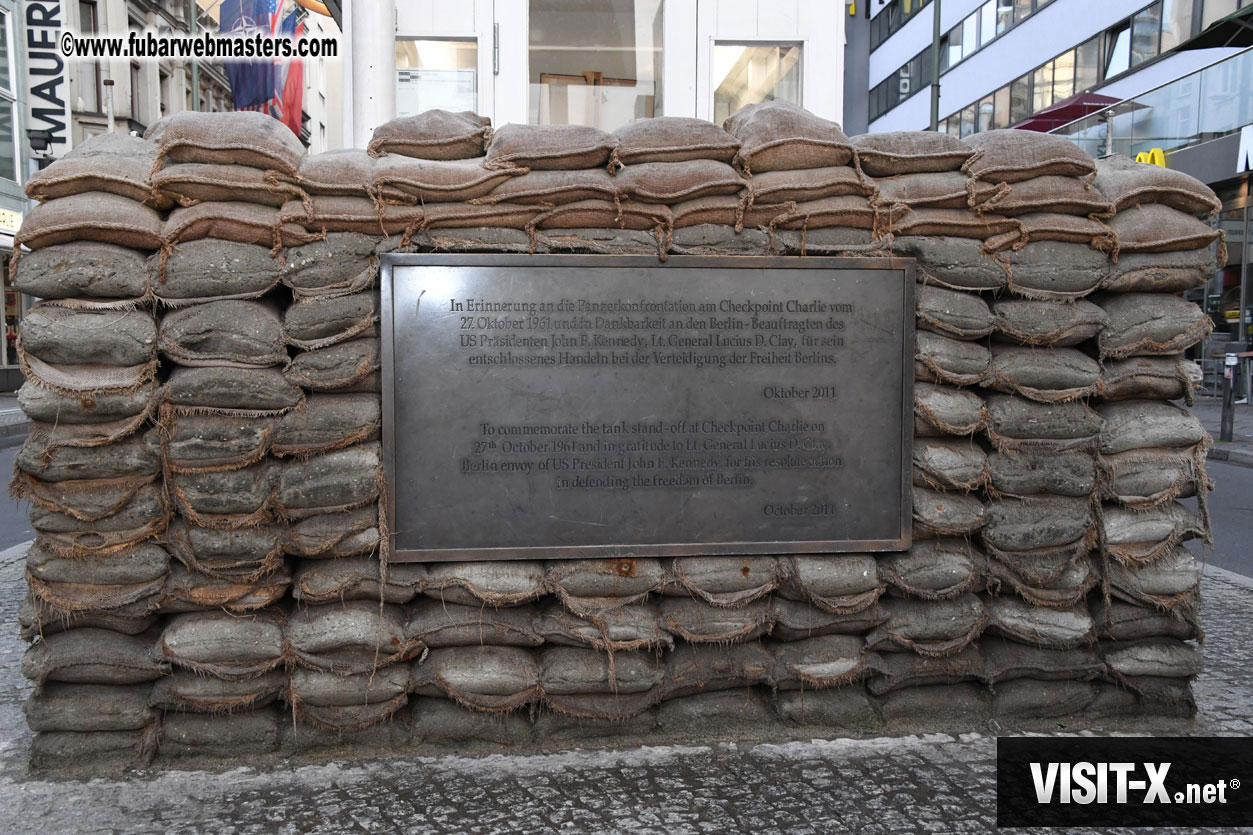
pixel 204 469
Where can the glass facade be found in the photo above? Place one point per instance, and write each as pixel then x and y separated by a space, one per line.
pixel 889 21
pixel 750 73
pixel 436 74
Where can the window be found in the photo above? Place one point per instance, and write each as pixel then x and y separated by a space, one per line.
pixel 1117 50
pixel 1019 99
pixel 986 108
pixel 1146 29
pixel 970 35
pixel 968 121
pixel 8 103
pixel 165 92
pixel 1215 10
pixel 1042 86
pixel 1063 76
pixel 889 21
pixel 1176 23
pixel 1022 10
pixel 911 77
pixel 747 74
pixel 1087 64
pixel 1000 110
pixel 86 74
pixel 135 108
pixel 436 74
pixel 599 63
pixel 987 23
pixel 1005 15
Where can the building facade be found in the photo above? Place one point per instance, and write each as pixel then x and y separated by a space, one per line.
pixel 591 62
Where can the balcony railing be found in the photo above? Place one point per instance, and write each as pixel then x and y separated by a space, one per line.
pixel 1203 105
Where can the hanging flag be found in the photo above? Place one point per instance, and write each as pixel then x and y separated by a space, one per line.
pixel 275 87
pixel 293 89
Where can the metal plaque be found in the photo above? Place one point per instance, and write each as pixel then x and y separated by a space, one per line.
pixel 585 406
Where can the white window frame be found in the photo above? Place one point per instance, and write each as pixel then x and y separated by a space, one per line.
pixel 9 97
pixel 714 43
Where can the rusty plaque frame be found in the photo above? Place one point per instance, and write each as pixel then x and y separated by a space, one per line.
pixel 905 272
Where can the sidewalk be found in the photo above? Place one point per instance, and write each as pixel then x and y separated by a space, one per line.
pixel 1240 450
pixel 712 782
pixel 13 424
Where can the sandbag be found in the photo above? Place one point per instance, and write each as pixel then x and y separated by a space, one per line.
pixel 1053 194
pixel 1067 589
pixel 937 569
pixel 591 684
pixel 317 322
pixel 440 624
pixel 1056 269
pixel 696 668
pixel 194 693
pixel 433 134
pixel 257 392
pixel 243 555
pixel 795 619
pixel 222 645
pixel 898 670
pixel 326 581
pixel 1008 661
pixel 191 591
pixel 350 637
pixel 953 262
pixel 89 707
pixel 1150 324
pixel 232 138
pixel 408 180
pixel 244 223
pixel 1029 472
pixel 1143 424
pixel 114 163
pixel 938 514
pixel 553 188
pixel 909 151
pixel 198 182
pixel 241 734
pixel 208 270
pixel 1138 536
pixel 1127 184
pixel 49 406
pixel 332 481
pixel 82 270
pixel 348 533
pixel 839 584
pixel 950 313
pixel 329 214
pixel 932 628
pixel 939 359
pixel 1127 622
pixel 1058 324
pixel 96 216
pixel 629 627
pixel 347 703
pixel 1028 698
pixel 549 147
pixel 1149 378
pixel 90 656
pixel 224 499
pixel 70 336
pixel 1155 228
pixel 841 707
pixel 242 334
pixel 1162 657
pixel 1049 375
pixel 1169 583
pixel 1037 523
pixel 674 182
pixel 36 618
pixel 604 214
pixel 344 171
pixel 346 365
pixel 141 517
pixel 723 581
pixel 825 661
pixel 1161 272
pixel 948 190
pixel 1040 626
pixel 1017 423
pixel 697 622
pixel 942 410
pixel 849 212
pixel 586 585
pixel 1041 227
pixel 203 443
pixel 342 263
pixel 949 465
pixel 1011 156
pixel 327 422
pixel 777 187
pixel 496 583
pixel 673 139
pixel 131 580
pixel 780 136
pixel 482 678
pixel 954 223
pixel 134 457
pixel 1147 478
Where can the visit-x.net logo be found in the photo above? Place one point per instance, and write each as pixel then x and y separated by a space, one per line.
pixel 1121 781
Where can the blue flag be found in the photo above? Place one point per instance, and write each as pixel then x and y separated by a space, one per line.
pixel 254 82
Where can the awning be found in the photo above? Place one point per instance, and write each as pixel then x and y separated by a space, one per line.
pixel 1063 113
pixel 1233 30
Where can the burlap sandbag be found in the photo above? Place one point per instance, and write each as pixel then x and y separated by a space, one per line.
pixel 549 147
pixel 909 152
pixel 194 591
pixel 493 583
pixel 1143 424
pixel 142 517
pixel 94 216
pixel 1149 378
pixel 695 668
pixel 1139 536
pixel 947 312
pixel 346 366
pixel 696 622
pixel 1123 621
pixel 318 322
pixel 794 620
pixel 1011 156
pixel 1035 227
pixel 850 212
pixel 86 501
pixel 943 410
pixel 349 533
pixel 211 270
pixel 894 671
pixel 127 582
pixel 1156 228
pixel 938 514
pixel 949 465
pixel 939 359
pixel 245 223
pixel 674 182
pixel 362 215
pixel 673 139
pixel 433 134
pixel 723 581
pixel 136 456
pixel 937 569
pixel 1150 477
pixel 553 188
pixel 186 691
pixel 1150 324
pixel 90 656
pixel 440 624
pixel 231 138
pixel 346 171
pixel 337 265
pixel 954 223
pixel 1037 523
pixel 842 584
pixel 114 163
pixel 937 190
pixel 953 262
pixel 340 704
pixel 627 682
pixel 1159 657
pixel 333 481
pixel 621 629
pixel 1016 423
pixel 931 628
pixel 1049 375
pixel 1053 194
pixel 200 443
pixel 408 180
pixel 481 678
pixel 36 619
pixel 728 210
pixel 327 422
pixel 807 184
pixel 1053 628
pixel 605 214
pixel 1059 324
pixel 824 661
pixel 224 499
pixel 49 406
pixel 68 336
pixel 231 391
pixel 1127 183
pixel 1161 272
pixel 471 216
pixel 1055 270
pixel 242 334
pixel 90 708
pixel 1007 661
pixel 327 581
pixel 1031 472
pixel 243 555
pixel 779 136
pixel 222 645
pixel 82 270
pixel 196 182
pixel 1171 582
pixel 355 636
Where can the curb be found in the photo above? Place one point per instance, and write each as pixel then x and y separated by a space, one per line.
pixel 1239 457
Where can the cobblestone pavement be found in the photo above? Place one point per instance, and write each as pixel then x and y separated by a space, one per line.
pixel 912 784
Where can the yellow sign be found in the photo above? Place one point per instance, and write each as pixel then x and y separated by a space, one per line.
pixel 10 220
pixel 1155 156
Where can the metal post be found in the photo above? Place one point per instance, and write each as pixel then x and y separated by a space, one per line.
pixel 935 65
pixel 1244 282
pixel 108 101
pixel 1230 369
pixel 195 68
